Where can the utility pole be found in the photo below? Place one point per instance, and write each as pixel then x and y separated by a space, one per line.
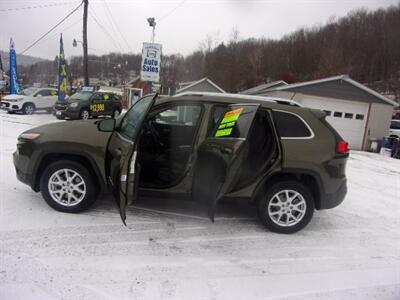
pixel 85 46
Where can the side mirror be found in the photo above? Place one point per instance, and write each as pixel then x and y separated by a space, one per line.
pixel 107 125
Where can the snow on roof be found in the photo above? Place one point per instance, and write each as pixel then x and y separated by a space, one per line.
pixel 263 86
pixel 193 83
pixel 345 78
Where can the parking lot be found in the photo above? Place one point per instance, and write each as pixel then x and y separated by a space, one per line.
pixel 171 250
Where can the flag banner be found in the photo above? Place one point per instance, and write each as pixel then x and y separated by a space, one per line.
pixel 62 73
pixel 14 84
pixel 151 60
pixel 1 69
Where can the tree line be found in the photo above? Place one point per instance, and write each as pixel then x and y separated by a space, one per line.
pixel 364 44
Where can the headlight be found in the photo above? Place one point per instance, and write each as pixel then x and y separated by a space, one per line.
pixel 73 104
pixel 29 136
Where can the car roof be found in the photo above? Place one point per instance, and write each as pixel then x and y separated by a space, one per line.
pixel 266 102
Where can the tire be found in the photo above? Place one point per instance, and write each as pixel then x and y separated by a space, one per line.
pixel 280 216
pixel 28 109
pixel 116 113
pixel 81 198
pixel 84 114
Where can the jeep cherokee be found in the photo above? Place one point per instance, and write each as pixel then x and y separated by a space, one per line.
pixel 285 159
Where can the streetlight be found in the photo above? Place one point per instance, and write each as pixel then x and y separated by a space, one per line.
pixel 152 23
pixel 75 43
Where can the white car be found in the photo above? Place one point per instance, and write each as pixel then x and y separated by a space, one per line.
pixel 30 100
pixel 395 128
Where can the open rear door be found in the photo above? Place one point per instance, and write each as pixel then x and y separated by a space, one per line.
pixel 222 154
pixel 122 152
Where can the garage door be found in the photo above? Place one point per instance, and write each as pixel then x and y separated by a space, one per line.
pixel 347 117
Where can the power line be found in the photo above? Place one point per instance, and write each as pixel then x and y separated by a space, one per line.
pixel 64 29
pixel 111 22
pixel 36 6
pixel 92 15
pixel 54 27
pixel 116 26
pixel 172 11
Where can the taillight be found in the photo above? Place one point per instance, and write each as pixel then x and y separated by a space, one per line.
pixel 342 147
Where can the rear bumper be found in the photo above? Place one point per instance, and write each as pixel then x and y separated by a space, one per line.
pixel 334 199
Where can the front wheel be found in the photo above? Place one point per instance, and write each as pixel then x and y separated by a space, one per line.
pixel 85 114
pixel 287 207
pixel 28 109
pixel 67 186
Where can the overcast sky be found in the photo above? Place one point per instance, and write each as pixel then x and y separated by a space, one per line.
pixel 181 25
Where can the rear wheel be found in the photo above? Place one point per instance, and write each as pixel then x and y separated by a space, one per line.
pixel 85 114
pixel 287 207
pixel 67 186
pixel 28 109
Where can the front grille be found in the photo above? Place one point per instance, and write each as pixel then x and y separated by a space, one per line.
pixel 60 107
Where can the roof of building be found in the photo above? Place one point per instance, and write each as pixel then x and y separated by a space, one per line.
pixel 344 78
pixel 187 85
pixel 262 87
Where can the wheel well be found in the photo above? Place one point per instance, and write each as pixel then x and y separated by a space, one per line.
pixel 308 180
pixel 50 158
pixel 26 103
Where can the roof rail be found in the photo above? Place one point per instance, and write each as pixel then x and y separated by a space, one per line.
pixel 241 96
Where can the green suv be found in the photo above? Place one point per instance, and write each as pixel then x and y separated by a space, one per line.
pixel 85 105
pixel 285 159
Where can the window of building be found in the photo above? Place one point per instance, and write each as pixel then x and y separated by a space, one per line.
pixel 337 114
pixel 328 112
pixel 359 117
pixel 348 116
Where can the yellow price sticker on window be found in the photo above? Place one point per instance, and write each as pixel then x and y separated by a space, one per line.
pixel 228 122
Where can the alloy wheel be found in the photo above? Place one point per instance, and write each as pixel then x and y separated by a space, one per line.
pixel 287 208
pixel 67 187
pixel 29 109
pixel 85 115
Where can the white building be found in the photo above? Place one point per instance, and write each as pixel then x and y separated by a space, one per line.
pixel 358 113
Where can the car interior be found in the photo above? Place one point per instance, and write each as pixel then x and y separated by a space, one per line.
pixel 261 149
pixel 166 145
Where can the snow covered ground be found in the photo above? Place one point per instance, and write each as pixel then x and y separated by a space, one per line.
pixel 170 252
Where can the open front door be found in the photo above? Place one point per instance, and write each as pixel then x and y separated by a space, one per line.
pixel 222 154
pixel 121 166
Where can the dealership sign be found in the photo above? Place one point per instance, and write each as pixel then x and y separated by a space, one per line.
pixel 151 59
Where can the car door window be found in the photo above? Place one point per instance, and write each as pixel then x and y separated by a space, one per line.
pixel 134 117
pixel 43 93
pixel 235 123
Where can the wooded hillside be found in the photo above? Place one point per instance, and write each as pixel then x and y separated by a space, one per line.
pixel 364 44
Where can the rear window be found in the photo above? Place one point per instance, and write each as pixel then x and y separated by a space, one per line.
pixel 290 125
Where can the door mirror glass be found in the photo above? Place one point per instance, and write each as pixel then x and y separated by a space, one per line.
pixel 107 125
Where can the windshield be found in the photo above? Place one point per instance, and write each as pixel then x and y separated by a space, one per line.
pixel 29 91
pixel 83 96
